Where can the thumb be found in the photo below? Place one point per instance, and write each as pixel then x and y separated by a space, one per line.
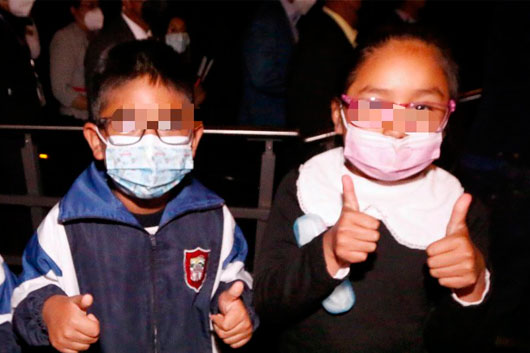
pixel 349 199
pixel 459 214
pixel 235 291
pixel 83 301
pixel 230 295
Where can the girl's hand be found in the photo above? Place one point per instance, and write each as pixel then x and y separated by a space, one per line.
pixel 454 260
pixel 353 237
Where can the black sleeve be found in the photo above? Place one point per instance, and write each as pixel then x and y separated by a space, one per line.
pixel 7 339
pixel 456 328
pixel 290 282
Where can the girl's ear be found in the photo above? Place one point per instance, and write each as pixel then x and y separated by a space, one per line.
pixel 336 117
pixel 96 145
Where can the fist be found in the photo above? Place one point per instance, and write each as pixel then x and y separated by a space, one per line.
pixel 454 260
pixel 70 329
pixel 353 237
pixel 233 323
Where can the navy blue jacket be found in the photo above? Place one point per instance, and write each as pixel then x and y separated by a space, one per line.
pixel 7 284
pixel 152 292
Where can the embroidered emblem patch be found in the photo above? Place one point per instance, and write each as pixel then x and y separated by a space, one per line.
pixel 195 263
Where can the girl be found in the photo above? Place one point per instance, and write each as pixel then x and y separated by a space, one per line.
pixel 370 247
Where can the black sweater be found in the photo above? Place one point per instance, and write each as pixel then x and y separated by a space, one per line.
pixel 398 307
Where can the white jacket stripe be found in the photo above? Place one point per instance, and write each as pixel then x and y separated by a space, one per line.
pixel 52 244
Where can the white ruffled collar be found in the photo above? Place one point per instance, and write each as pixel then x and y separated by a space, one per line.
pixel 416 212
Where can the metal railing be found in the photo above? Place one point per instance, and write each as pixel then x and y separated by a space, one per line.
pixel 37 202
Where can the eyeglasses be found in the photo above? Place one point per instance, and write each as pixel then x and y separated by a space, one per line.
pixel 127 126
pixel 411 117
pixel 170 137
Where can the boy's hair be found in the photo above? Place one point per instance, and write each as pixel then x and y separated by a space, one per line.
pixel 150 59
pixel 408 32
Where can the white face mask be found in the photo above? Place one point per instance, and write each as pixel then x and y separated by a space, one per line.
pixel 94 19
pixel 32 39
pixel 178 41
pixel 20 8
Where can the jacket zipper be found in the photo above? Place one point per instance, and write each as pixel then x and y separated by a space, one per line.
pixel 153 292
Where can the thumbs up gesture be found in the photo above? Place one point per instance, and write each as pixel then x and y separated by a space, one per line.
pixel 233 323
pixel 353 237
pixel 454 260
pixel 70 328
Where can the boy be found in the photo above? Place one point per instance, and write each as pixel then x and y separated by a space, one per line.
pixel 7 284
pixel 138 256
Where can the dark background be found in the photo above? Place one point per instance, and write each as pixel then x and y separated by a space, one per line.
pixel 486 146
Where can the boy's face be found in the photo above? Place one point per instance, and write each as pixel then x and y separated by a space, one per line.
pixel 141 105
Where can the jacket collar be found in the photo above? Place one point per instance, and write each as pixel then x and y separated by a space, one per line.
pixel 91 197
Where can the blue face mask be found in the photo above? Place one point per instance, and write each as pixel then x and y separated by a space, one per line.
pixel 149 168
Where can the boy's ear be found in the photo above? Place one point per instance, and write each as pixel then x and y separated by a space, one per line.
pixel 197 134
pixel 96 145
pixel 336 118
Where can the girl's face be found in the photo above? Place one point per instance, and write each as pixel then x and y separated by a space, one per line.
pixel 401 72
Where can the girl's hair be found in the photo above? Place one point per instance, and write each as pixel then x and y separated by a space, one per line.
pixel 404 33
pixel 150 59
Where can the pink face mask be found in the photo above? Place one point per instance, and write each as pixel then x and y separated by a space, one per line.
pixel 387 158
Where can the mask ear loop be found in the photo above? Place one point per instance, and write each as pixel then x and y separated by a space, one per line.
pixel 101 137
pixel 343 117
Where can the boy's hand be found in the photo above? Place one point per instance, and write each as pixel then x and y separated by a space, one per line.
pixel 233 324
pixel 69 327
pixel 454 260
pixel 353 237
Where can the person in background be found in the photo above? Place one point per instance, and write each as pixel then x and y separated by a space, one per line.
pixel 267 47
pixel 67 55
pixel 129 25
pixel 7 284
pixel 178 38
pixel 21 96
pixel 321 61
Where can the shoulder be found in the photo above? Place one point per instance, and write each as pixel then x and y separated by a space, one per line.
pixel 286 199
pixel 197 191
pixel 63 35
pixel 50 230
pixel 322 169
pixel 288 183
